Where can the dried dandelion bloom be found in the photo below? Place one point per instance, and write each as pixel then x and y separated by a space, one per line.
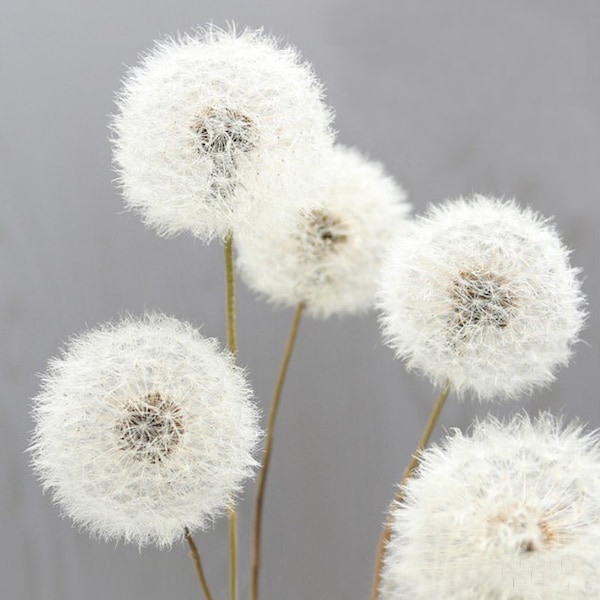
pixel 510 512
pixel 481 293
pixel 329 258
pixel 215 128
pixel 144 428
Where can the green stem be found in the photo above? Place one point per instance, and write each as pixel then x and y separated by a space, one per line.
pixel 262 478
pixel 232 346
pixel 230 296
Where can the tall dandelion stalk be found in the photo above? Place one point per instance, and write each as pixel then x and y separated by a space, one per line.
pixel 263 473
pixel 232 347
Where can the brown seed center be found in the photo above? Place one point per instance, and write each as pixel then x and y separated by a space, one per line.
pixel 330 230
pixel 528 531
pixel 481 299
pixel 223 135
pixel 223 132
pixel 151 429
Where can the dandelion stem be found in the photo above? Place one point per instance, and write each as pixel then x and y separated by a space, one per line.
pixel 262 478
pixel 195 555
pixel 408 472
pixel 233 553
pixel 232 346
pixel 230 281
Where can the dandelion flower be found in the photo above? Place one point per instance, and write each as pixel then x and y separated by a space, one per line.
pixel 481 293
pixel 216 127
pixel 329 257
pixel 144 428
pixel 510 512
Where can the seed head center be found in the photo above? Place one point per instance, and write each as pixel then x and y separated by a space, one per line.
pixel 223 132
pixel 328 229
pixel 223 135
pixel 480 299
pixel 524 531
pixel 151 429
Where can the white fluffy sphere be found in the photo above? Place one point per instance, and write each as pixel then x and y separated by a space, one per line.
pixel 144 428
pixel 481 293
pixel 510 512
pixel 216 127
pixel 330 256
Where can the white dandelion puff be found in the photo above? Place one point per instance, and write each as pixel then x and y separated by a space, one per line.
pixel 329 257
pixel 511 511
pixel 481 294
pixel 144 428
pixel 216 127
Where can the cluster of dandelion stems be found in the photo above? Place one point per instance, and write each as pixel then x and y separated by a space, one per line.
pixel 266 460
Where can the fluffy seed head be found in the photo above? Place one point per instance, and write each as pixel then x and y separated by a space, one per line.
pixel 481 293
pixel 144 428
pixel 215 128
pixel 511 512
pixel 330 256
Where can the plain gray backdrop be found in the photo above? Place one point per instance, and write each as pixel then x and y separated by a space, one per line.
pixel 453 96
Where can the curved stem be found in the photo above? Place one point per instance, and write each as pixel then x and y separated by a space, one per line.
pixel 408 473
pixel 195 555
pixel 262 478
pixel 232 346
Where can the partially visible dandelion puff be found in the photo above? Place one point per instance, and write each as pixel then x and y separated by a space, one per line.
pixel 510 511
pixel 329 258
pixel 481 293
pixel 216 127
pixel 144 428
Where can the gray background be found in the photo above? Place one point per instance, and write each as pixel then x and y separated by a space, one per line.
pixel 454 96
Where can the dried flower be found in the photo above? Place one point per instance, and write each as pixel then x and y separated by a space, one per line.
pixel 329 258
pixel 481 294
pixel 217 127
pixel 510 512
pixel 144 428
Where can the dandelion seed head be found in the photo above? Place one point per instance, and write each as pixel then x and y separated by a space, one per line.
pixel 481 293
pixel 329 257
pixel 143 428
pixel 511 511
pixel 217 127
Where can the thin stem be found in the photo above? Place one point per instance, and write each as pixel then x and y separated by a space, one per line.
pixel 233 553
pixel 195 556
pixel 232 346
pixel 230 296
pixel 262 477
pixel 408 473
